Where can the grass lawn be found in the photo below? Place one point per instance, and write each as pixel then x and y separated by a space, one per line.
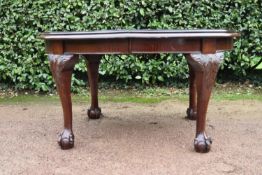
pixel 147 95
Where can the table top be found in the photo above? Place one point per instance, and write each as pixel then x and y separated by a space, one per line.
pixel 114 34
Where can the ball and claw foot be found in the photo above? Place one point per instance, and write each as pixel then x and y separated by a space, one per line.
pixel 66 139
pixel 94 113
pixel 202 143
pixel 191 115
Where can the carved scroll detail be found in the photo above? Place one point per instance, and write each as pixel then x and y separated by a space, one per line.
pixel 63 62
pixel 206 58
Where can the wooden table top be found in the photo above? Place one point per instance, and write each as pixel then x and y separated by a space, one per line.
pixel 114 34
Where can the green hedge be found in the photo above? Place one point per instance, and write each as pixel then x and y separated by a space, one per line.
pixel 23 62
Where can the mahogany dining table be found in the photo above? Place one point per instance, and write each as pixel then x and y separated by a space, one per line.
pixel 203 50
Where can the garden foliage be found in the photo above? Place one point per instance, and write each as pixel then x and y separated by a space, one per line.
pixel 23 62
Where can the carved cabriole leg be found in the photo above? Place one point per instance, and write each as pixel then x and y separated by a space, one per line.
pixel 192 110
pixel 62 68
pixel 205 67
pixel 93 61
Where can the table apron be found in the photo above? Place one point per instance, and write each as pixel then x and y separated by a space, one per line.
pixel 138 45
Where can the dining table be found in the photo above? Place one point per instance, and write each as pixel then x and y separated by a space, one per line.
pixel 202 48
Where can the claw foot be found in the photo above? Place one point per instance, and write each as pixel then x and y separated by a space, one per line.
pixel 191 115
pixel 202 143
pixel 66 139
pixel 94 113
